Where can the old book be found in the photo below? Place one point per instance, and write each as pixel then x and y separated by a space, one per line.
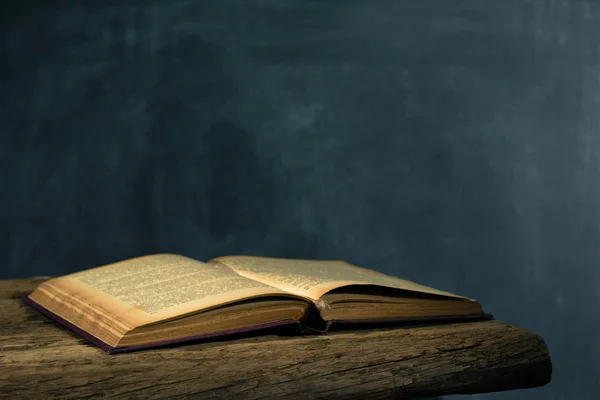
pixel 163 299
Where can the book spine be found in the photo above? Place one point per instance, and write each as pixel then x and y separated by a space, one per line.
pixel 313 323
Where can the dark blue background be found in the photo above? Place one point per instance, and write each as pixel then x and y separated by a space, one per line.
pixel 455 143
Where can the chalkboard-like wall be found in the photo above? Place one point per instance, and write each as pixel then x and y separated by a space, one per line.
pixel 456 143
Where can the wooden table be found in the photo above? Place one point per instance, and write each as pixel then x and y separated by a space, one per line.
pixel 39 359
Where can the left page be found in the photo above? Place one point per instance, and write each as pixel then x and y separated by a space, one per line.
pixel 148 289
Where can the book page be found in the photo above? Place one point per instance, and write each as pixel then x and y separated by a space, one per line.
pixel 314 278
pixel 154 288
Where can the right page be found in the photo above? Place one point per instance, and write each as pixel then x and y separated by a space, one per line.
pixel 314 278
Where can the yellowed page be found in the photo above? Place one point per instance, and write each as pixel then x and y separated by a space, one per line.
pixel 154 288
pixel 314 278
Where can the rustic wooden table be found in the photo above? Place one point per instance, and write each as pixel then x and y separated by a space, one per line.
pixel 39 359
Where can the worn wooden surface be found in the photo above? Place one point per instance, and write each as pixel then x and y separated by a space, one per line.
pixel 41 360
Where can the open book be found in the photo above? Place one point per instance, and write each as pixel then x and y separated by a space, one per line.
pixel 163 299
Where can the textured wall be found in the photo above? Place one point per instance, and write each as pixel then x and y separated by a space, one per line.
pixel 455 143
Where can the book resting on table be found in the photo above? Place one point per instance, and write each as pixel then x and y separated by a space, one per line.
pixel 162 299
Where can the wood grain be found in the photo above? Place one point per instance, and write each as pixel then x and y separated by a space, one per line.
pixel 41 360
